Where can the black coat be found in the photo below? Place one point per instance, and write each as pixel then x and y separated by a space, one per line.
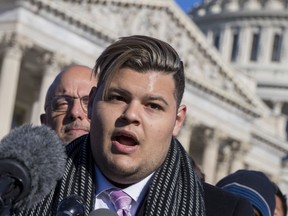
pixel 219 202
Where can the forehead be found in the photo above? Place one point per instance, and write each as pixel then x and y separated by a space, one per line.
pixel 149 82
pixel 75 79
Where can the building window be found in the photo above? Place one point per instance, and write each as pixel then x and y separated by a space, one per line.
pixel 235 46
pixel 255 46
pixel 216 40
pixel 276 51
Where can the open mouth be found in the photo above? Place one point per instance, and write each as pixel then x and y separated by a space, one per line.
pixel 126 139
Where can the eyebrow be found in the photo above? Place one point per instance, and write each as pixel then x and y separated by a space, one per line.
pixel 148 97
pixel 157 98
pixel 118 90
pixel 69 96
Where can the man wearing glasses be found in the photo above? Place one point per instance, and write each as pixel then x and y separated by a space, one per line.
pixel 66 102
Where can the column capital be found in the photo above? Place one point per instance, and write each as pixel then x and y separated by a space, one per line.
pixel 233 144
pixel 208 135
pixel 54 62
pixel 14 52
pixel 212 133
pixel 14 40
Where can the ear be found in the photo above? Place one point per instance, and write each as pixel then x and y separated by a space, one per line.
pixel 180 117
pixel 91 99
pixel 43 119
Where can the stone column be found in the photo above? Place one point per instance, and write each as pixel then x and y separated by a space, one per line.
pixel 53 65
pixel 226 43
pixel 212 141
pixel 246 42
pixel 284 54
pixel 224 159
pixel 238 151
pixel 186 132
pixel 279 120
pixel 266 45
pixel 231 154
pixel 277 108
pixel 209 36
pixel 10 71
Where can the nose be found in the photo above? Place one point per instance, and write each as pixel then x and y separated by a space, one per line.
pixel 131 112
pixel 76 111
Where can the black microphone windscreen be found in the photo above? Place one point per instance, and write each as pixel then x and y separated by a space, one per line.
pixel 102 212
pixel 71 206
pixel 40 150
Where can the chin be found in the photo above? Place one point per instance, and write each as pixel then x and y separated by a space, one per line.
pixel 70 138
pixel 123 179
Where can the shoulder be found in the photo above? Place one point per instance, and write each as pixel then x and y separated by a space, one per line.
pixel 220 202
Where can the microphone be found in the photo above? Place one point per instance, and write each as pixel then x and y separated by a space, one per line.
pixel 32 160
pixel 71 206
pixel 102 212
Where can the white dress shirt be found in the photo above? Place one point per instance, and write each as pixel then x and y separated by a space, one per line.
pixel 136 192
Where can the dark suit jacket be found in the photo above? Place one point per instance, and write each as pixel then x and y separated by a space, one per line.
pixel 219 202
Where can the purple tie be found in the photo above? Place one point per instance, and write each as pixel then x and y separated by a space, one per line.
pixel 121 201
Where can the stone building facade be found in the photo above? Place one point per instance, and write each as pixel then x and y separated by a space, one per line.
pixel 252 36
pixel 228 126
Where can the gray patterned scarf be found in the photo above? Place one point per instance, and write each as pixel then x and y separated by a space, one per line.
pixel 175 189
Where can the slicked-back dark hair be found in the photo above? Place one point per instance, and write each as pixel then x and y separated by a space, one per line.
pixel 142 54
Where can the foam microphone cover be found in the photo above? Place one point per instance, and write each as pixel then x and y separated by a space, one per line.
pixel 102 212
pixel 38 150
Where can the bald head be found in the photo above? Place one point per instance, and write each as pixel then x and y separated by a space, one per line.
pixel 69 75
pixel 66 102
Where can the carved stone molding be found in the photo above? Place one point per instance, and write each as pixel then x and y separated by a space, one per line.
pixel 16 42
pixel 228 149
pixel 62 12
pixel 213 135
pixel 54 62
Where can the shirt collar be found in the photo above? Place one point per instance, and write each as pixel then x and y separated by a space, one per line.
pixel 135 191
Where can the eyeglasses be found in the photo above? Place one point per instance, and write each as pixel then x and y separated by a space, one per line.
pixel 64 103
